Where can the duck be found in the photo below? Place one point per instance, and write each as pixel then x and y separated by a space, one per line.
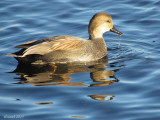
pixel 66 49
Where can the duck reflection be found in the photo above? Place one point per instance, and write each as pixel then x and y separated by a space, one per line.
pixel 102 97
pixel 46 75
pixel 44 103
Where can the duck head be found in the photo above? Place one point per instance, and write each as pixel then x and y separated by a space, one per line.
pixel 99 24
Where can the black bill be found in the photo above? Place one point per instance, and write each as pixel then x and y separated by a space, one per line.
pixel 115 31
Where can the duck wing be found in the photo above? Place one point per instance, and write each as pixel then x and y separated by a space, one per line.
pixel 51 45
pixel 35 42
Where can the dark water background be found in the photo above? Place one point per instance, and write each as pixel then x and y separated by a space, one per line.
pixel 127 87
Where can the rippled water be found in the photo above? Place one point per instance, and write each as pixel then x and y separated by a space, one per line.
pixel 124 87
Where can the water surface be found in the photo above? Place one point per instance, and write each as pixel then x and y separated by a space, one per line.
pixel 123 87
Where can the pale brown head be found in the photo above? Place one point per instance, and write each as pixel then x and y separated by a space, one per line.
pixel 99 24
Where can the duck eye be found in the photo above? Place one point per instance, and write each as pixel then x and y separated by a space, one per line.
pixel 108 21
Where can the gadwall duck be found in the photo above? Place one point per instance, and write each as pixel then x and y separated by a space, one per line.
pixel 69 49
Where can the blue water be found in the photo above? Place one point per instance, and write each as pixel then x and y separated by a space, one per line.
pixel 126 87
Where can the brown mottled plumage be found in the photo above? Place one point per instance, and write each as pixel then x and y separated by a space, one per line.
pixel 69 49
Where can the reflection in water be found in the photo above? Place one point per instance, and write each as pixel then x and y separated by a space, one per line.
pixel 102 97
pixel 101 76
pixel 46 75
pixel 78 117
pixel 44 103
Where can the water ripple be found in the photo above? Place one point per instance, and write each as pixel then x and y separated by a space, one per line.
pixel 124 87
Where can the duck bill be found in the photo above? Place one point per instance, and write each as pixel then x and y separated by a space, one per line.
pixel 115 31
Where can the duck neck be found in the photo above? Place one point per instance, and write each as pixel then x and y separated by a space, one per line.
pixel 98 41
pixel 95 35
pixel 91 37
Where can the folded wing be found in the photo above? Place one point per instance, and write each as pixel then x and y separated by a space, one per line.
pixel 51 46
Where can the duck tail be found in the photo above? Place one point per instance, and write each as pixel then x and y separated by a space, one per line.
pixel 14 55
